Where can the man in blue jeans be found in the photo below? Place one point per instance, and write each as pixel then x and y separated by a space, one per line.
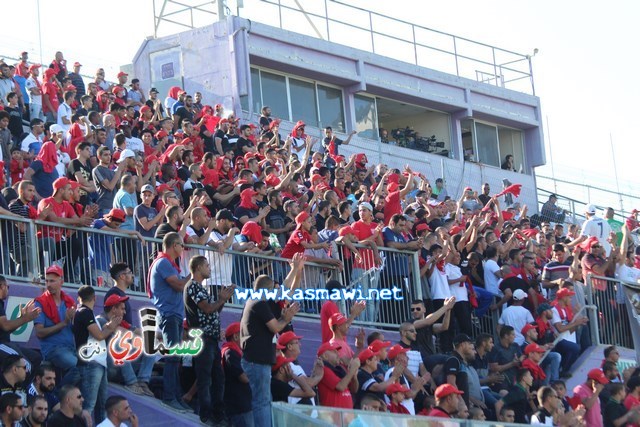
pixel 53 326
pixel 257 329
pixel 165 286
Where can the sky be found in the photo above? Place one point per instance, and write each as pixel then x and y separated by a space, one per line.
pixel 585 71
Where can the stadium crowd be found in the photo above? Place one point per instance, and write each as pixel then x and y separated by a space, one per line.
pixel 114 157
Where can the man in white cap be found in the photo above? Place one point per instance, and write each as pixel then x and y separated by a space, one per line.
pixel 516 315
pixel 596 227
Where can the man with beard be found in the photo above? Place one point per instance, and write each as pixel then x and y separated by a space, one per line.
pixel 277 220
pixel 44 386
pixel 184 112
pixel 38 413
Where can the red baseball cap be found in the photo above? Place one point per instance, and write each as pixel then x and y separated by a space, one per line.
pixel 117 89
pixel 77 64
pixel 564 292
pixel 285 339
pixel 122 74
pixel 534 348
pixel 445 390
pixel 328 347
pixel 395 351
pixel 145 108
pixel 49 72
pixel 117 214
pixel 114 300
pixel 423 226
pixel 161 134
pixel 232 329
pixel 366 354
pixel 280 362
pixel 74 184
pixel 34 67
pixel 163 187
pixel 455 230
pixel 527 328
pixel 378 345
pixel 337 319
pixel 396 388
pixel 55 269
pixel 302 217
pixel 60 183
pixel 597 375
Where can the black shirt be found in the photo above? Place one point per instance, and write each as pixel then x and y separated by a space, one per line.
pixel 365 381
pixel 5 336
pixel 81 321
pixel 18 389
pixel 277 219
pixel 280 390
pixel 455 365
pixel 197 318
pixel 242 143
pixel 424 340
pixel 58 419
pixel 162 230
pixel 225 142
pixel 518 400
pixel 240 212
pixel 612 411
pixel 514 283
pixel 184 114
pixel 320 222
pixel 256 339
pixel 237 395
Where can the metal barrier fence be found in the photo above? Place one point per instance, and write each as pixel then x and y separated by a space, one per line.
pixel 285 414
pixel 613 319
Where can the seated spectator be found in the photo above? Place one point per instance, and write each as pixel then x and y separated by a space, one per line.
pixel 70 413
pixel 44 385
pixel 533 353
pixel 53 326
pixel 118 412
pixel 426 326
pixel 519 398
pixel 447 397
pixel 38 413
pixel 399 360
pixel 367 381
pixel 237 391
pixel 14 373
pixel 566 325
pixel 505 358
pixel 337 384
pixel 551 363
pixel 281 375
pixel 397 394
pixel 548 405
pixel 11 409
pixel 329 308
pixel 42 171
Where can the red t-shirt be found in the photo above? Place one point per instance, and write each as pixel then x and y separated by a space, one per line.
pixel 331 397
pixel 398 408
pixel 363 231
pixel 50 90
pixel 16 171
pixel 392 206
pixel 329 308
pixel 294 244
pixel 631 402
pixel 439 413
pixel 62 210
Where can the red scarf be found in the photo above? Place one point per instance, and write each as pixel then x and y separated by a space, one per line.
pixel 221 173
pixel 535 369
pixel 161 255
pixel 245 202
pixel 565 313
pixel 49 307
pixel 230 346
pixel 48 155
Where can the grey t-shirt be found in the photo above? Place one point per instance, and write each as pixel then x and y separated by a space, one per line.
pixel 142 211
pixel 105 196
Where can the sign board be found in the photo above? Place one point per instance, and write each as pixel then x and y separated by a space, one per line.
pixel 14 304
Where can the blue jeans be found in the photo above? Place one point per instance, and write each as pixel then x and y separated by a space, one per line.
pixel 242 420
pixel 65 359
pixel 367 280
pixel 551 366
pixel 260 381
pixel 210 380
pixel 144 365
pixel 569 352
pixel 94 389
pixel 171 328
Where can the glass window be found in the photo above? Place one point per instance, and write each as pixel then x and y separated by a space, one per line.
pixel 274 94
pixel 331 108
pixel 511 144
pixel 487 143
pixel 255 90
pixel 366 124
pixel 303 102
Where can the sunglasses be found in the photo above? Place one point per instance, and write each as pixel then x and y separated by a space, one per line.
pixel 416 309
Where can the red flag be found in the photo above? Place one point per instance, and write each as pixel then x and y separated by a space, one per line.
pixel 586 245
pixel 512 189
pixel 530 232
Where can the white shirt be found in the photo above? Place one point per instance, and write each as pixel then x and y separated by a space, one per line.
pixel 63 161
pixel 569 336
pixel 408 403
pixel 458 290
pixel 516 316
pixel 597 227
pixel 135 144
pixel 107 423
pixel 439 284
pixel 536 422
pixel 297 371
pixel 29 139
pixel 221 264
pixel 491 281
pixel 32 84
pixel 64 110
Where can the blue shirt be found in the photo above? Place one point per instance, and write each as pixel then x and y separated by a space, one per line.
pixel 41 180
pixel 101 245
pixel 167 300
pixel 124 200
pixel 397 264
pixel 63 338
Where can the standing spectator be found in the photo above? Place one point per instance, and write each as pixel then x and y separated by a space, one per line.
pixel 42 171
pixel 93 372
pixel 146 216
pixel 427 325
pixel 458 283
pixel 106 180
pixel 23 207
pixel 126 200
pixel 53 326
pixel 554 271
pixel 505 357
pixel 50 102
pixel 15 117
pixel 589 394
pixel 615 414
pixel 237 391
pixel 329 308
pixel 165 286
pixel 65 111
pixel 79 170
pixel 337 384
pixel 70 412
pixel 548 405
pixel 457 369
pixel 135 96
pixel 118 412
pixel 76 80
pixel 34 87
pixel 516 315
pixel 202 312
pixel 258 327
pixel 289 343
pixel 32 143
pixel 596 227
pixel 281 376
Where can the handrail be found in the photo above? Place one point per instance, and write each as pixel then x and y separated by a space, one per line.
pixel 622 215
pixel 559 337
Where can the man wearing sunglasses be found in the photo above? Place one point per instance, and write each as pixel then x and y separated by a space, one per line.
pixel 70 413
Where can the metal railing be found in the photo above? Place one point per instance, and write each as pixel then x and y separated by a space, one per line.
pixel 613 322
pixel 402 40
pixel 285 414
